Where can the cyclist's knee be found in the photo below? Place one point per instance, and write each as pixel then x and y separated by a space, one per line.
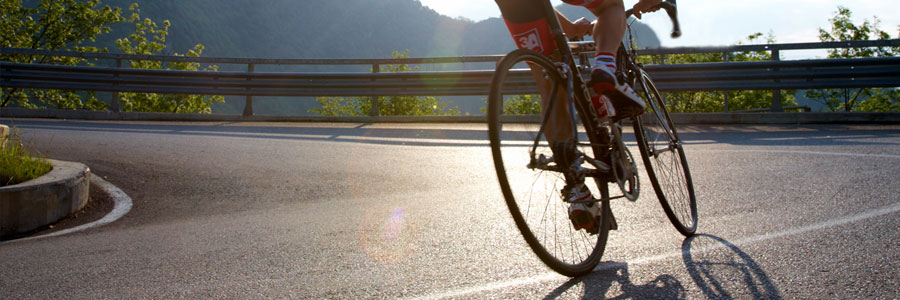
pixel 606 5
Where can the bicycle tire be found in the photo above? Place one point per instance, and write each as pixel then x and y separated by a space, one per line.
pixel 664 159
pixel 532 195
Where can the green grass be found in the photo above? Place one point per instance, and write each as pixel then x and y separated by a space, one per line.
pixel 17 165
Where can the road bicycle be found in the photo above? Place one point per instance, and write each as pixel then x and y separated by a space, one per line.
pixel 530 179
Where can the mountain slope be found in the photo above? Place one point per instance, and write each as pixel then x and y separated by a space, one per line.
pixel 326 29
pixel 318 29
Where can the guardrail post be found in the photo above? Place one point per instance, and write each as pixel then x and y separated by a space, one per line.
pixel 374 111
pixel 114 102
pixel 248 105
pixel 776 94
pixel 725 59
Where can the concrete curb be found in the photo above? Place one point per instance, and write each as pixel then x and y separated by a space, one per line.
pixel 44 200
pixel 679 118
pixel 122 205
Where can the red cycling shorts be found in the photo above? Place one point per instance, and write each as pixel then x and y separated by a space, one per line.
pixel 528 25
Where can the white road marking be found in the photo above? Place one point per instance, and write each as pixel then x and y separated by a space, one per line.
pixel 121 207
pixel 550 276
pixel 802 152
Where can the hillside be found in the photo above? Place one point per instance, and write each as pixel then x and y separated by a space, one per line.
pixel 323 29
pixel 320 29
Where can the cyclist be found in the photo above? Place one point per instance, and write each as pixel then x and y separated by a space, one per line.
pixel 529 28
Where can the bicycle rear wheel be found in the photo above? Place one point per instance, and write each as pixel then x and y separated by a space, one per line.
pixel 665 161
pixel 530 185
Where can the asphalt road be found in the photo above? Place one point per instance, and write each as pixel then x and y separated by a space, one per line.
pixel 286 210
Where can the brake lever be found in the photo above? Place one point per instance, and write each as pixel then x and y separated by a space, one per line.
pixel 671 9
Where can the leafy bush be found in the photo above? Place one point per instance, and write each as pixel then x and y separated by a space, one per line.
pixel 519 105
pixel 714 101
pixel 53 25
pixel 140 42
pixel 387 106
pixel 859 99
pixel 17 165
pixel 70 25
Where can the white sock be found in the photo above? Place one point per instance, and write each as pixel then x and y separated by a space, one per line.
pixel 605 61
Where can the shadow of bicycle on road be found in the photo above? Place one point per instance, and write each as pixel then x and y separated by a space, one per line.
pixel 718 269
pixel 614 278
pixel 721 270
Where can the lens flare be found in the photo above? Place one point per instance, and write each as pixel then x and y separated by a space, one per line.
pixel 387 236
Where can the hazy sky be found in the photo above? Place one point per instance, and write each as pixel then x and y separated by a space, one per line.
pixel 723 22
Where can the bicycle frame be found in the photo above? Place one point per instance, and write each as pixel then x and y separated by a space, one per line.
pixel 604 146
pixel 577 91
pixel 567 57
pixel 533 199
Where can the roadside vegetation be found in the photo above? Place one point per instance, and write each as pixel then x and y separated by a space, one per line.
pixel 91 25
pixel 842 29
pixel 73 25
pixel 714 101
pixel 387 105
pixel 17 164
pixel 519 105
pixel 858 99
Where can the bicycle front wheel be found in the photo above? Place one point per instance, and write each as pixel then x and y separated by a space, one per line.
pixel 523 160
pixel 665 161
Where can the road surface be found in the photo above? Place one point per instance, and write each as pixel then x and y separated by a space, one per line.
pixel 288 210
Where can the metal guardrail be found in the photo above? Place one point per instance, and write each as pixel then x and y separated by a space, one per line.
pixel 775 54
pixel 777 48
pixel 767 75
pixel 245 83
pixel 250 63
pixel 805 74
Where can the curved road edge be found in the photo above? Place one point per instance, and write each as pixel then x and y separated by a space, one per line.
pixel 122 205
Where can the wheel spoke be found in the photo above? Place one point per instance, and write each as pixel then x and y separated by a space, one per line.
pixel 665 161
pixel 532 187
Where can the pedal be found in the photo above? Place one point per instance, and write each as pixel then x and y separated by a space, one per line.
pixel 598 165
pixel 613 225
pixel 584 221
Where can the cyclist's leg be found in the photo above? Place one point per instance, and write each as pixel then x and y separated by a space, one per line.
pixel 610 27
pixel 529 28
pixel 559 124
pixel 528 25
pixel 559 133
pixel 608 33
